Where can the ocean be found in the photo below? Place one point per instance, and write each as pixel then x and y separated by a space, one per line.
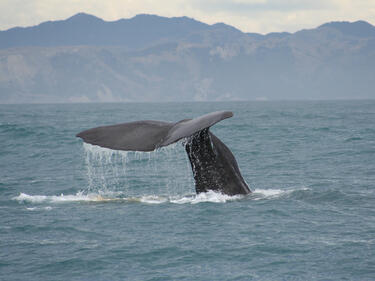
pixel 73 211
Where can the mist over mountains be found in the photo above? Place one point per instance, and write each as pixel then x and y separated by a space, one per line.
pixel 152 58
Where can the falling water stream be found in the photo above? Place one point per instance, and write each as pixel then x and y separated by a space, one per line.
pixel 116 173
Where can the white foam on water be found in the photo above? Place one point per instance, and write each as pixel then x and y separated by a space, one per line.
pixel 211 196
pixel 268 192
pixel 153 199
pixel 47 208
pixel 118 197
pixel 259 194
pixel 109 196
pixel 37 199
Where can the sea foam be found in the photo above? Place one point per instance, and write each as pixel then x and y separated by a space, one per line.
pixel 210 196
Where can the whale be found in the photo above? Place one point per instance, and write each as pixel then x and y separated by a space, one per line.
pixel 213 165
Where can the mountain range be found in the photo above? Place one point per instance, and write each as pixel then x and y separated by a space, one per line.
pixel 153 58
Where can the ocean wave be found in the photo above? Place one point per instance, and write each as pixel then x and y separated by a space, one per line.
pixel 47 208
pixel 259 194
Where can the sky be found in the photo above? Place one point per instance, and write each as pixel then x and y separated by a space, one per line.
pixel 260 16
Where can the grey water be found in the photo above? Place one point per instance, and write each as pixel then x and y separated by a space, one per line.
pixel 72 211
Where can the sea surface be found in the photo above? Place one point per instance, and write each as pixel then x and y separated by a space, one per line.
pixel 73 211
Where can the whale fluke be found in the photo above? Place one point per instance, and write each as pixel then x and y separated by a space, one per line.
pixel 135 136
pixel 214 166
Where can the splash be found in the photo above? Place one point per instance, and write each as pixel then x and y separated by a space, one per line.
pixel 120 197
pixel 157 177
pixel 211 197
pixel 164 171
pixel 37 199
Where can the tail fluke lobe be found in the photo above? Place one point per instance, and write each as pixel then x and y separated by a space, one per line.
pixel 149 135
pixel 134 136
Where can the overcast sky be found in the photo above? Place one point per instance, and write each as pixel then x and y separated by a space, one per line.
pixel 261 16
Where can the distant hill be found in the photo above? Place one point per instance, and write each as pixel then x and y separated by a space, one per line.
pixel 83 29
pixel 152 58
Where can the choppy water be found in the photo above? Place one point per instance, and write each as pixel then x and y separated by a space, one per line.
pixel 70 211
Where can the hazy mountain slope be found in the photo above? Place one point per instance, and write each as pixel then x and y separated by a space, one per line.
pixel 151 58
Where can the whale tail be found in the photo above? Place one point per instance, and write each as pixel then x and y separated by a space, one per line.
pixel 214 166
pixel 149 135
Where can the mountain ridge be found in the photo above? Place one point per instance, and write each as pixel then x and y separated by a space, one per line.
pixel 84 22
pixel 153 58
